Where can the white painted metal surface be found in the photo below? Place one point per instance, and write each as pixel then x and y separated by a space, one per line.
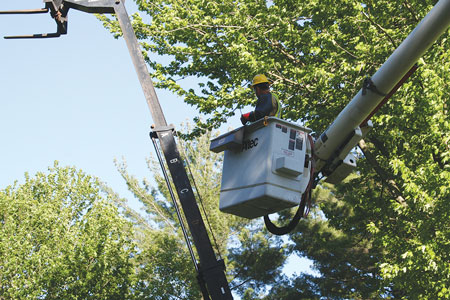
pixel 269 172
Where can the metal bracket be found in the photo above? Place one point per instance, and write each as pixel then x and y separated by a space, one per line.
pixel 155 130
pixel 368 84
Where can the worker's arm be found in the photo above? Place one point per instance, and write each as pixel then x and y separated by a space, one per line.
pixel 263 108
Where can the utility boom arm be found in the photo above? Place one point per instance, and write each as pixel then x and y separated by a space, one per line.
pixel 211 272
pixel 349 127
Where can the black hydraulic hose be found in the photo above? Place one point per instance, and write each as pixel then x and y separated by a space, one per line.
pixel 177 209
pixel 201 203
pixel 272 228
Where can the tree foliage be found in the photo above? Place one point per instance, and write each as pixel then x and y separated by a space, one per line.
pixel 316 52
pixel 65 235
pixel 60 238
pixel 382 233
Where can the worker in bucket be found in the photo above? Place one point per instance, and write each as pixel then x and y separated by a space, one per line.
pixel 267 104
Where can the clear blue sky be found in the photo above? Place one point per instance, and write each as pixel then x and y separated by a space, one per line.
pixel 75 99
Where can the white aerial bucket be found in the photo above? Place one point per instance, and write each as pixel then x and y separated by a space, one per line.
pixel 266 167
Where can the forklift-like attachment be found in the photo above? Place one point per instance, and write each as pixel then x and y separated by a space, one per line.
pixel 25 11
pixel 34 36
pixel 57 11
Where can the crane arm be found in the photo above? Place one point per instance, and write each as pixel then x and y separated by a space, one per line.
pixel 343 133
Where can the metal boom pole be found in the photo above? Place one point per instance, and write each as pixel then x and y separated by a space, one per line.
pixel 211 270
pixel 432 26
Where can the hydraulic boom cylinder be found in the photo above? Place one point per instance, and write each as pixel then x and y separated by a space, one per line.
pixel 396 66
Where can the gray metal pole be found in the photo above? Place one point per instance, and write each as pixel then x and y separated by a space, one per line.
pixel 139 64
pixel 404 57
pixel 211 271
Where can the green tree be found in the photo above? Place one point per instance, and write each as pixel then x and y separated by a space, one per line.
pixel 61 238
pixel 253 257
pixel 384 232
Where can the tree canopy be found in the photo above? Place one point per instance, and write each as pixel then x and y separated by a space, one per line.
pixel 66 235
pixel 61 238
pixel 382 233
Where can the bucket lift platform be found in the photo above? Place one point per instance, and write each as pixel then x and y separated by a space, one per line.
pixel 266 167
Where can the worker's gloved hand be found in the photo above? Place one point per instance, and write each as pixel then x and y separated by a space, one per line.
pixel 244 118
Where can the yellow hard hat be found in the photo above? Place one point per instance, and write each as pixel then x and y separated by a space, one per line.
pixel 260 78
